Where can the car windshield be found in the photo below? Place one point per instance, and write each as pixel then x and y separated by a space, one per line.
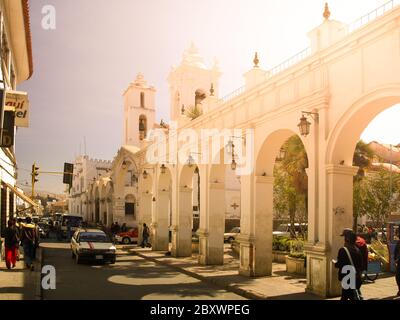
pixel 93 237
pixel 72 221
pixel 283 228
pixel 235 230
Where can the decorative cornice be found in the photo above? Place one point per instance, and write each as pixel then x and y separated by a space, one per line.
pixel 28 35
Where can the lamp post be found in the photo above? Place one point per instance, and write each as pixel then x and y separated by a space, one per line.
pixel 305 125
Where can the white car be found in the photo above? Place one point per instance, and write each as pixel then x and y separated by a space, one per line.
pixel 230 236
pixel 92 245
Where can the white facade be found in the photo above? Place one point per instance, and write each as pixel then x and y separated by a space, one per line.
pixel 86 172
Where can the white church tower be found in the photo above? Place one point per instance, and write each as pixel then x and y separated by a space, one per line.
pixel 139 111
pixel 191 82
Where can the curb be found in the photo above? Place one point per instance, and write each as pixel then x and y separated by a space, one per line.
pixel 232 288
pixel 38 275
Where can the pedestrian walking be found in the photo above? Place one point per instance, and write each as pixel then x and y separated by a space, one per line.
pixel 124 228
pixel 397 261
pixel 349 255
pixel 28 240
pixel 145 236
pixel 11 244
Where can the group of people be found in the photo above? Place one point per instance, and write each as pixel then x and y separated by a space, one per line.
pixel 18 233
pixel 116 228
pixel 354 253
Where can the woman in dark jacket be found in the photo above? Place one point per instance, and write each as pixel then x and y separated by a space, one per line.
pixel 397 261
pixel 11 245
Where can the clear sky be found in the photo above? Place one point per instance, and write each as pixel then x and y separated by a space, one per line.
pixel 98 47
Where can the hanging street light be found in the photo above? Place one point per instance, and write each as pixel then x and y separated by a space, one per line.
pixel 233 164
pixel 282 153
pixel 145 174
pixel 124 165
pixel 163 169
pixel 305 125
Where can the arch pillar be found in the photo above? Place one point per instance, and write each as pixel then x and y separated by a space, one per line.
pixel 109 207
pixel 212 225
pixel 160 232
pixel 322 276
pixel 145 216
pixel 256 226
pixel 182 224
pixel 102 210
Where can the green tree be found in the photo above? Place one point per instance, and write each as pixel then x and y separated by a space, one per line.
pixel 291 184
pixel 362 159
pixel 374 197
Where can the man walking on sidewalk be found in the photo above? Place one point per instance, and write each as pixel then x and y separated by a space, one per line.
pixel 11 245
pixel 29 240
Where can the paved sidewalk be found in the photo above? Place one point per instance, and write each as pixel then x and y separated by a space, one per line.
pixel 280 286
pixel 20 283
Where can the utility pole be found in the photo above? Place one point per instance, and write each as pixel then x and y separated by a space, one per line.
pixel 34 175
pixel 391 175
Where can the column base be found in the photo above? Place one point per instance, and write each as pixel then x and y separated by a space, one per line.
pixel 208 254
pixel 322 276
pixel 160 241
pixel 181 243
pixel 253 263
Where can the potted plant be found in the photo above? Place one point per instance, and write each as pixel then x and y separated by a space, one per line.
pixel 296 259
pixel 195 243
pixel 280 249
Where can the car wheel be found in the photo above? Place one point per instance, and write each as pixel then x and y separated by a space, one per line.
pixel 112 261
pixel 126 240
pixel 230 239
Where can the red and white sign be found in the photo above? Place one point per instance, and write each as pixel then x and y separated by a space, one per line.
pixel 18 101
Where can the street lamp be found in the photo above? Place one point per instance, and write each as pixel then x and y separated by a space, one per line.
pixel 145 174
pixel 282 153
pixel 163 169
pixel 124 165
pixel 233 164
pixel 305 125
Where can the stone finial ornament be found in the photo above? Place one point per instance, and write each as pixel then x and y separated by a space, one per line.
pixel 256 60
pixel 327 13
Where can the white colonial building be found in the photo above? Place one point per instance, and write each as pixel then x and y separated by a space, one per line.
pixel 328 93
pixel 86 172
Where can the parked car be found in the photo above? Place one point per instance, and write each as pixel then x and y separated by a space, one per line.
pixel 127 237
pixel 284 229
pixel 74 221
pixel 44 230
pixel 92 245
pixel 231 235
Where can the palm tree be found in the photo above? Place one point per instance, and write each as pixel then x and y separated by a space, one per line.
pixel 362 159
pixel 294 163
pixel 194 112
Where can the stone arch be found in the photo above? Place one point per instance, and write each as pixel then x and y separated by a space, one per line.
pixel 348 129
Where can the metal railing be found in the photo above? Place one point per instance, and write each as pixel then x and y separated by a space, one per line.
pixel 272 72
pixel 290 62
pixel 357 24
pixel 371 16
pixel 234 94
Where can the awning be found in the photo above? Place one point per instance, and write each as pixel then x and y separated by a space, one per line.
pixel 21 195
